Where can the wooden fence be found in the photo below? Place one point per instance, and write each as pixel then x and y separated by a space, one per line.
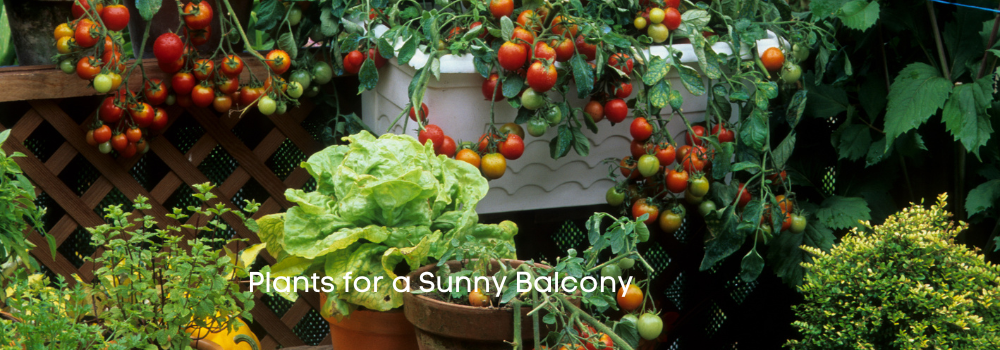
pixel 191 150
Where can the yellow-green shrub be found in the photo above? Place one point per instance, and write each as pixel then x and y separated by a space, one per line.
pixel 902 285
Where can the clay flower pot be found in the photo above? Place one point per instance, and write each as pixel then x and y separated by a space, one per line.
pixel 372 330
pixel 446 326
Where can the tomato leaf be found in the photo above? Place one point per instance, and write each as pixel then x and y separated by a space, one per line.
pixel 983 197
pixel 512 85
pixel 580 143
pixel 752 167
pixel 751 266
pixel 675 99
pixel 367 76
pixel 269 14
pixel 583 76
pixel 852 141
pixel 710 69
pixel 659 94
pixel 839 212
pixel 149 8
pixel 723 151
pixel 559 146
pixel 753 132
pixel 523 115
pixel 917 93
pixel 385 48
pixel 287 42
pixel 859 14
pixel 965 115
pixel 593 226
pixel 692 80
pixel 407 51
pixel 784 150
pixel 796 107
pixel 658 68
pixel 628 332
pixel 786 256
pixel 725 238
pixel 506 28
pixel 614 39
pixel 739 93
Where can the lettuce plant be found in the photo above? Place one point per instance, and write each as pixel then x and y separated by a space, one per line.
pixel 378 202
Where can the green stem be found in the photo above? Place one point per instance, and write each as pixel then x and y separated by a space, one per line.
pixel 938 42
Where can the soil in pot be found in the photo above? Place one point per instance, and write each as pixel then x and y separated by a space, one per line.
pixel 372 330
pixel 31 25
pixel 447 326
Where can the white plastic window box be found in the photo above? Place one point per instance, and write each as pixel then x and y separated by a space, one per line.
pixel 534 181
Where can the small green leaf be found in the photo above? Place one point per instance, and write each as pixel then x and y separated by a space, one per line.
pixel 796 107
pixel 824 101
pixel 583 75
pixel 751 266
pixel 269 14
pixel 965 115
pixel 580 142
pixel 658 69
pixel 512 85
pixel 859 14
pixel 852 141
pixel 692 80
pixel 407 51
pixel 876 153
pixel 616 40
pixel 784 151
pixel 506 28
pixel 659 94
pixel 149 8
pixel 675 98
pixel 560 145
pixel 368 76
pixel 287 42
pixel 753 132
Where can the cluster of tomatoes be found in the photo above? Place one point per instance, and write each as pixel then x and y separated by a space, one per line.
pixel 659 22
pixel 77 44
pixel 489 156
pixel 774 61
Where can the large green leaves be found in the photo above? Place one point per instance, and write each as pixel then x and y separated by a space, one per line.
pixel 859 14
pixel 983 197
pixel 965 114
pixel 843 212
pixel 785 252
pixel 917 93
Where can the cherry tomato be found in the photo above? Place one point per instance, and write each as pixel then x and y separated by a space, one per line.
pixel 295 90
pixel 160 119
pixel 537 126
pixel 203 95
pixel 595 110
pixel 627 168
pixel 614 196
pixel 86 33
pixel 616 110
pixel 699 132
pixel 118 142
pixel 104 147
pixel 183 83
pixel 87 69
pixel 266 105
pixel 649 165
pixel 724 134
pixel 790 73
pixel 353 62
pixel 142 114
pixel 658 32
pixel 744 195
pixel 198 37
pixel 478 299
pixel 222 103
pixel 629 299
pixel 133 134
pixel 232 66
pixel 624 90
pixel 115 17
pixel 511 56
pixel 501 8
pixel 656 15
pixel 203 69
pixel 638 148
pixel 541 77
pixel 102 134
pixel 699 186
pixel 672 18
pixel 493 165
pixel 706 208
pixel 197 15
pixel 63 30
pixel 63 45
pixel 622 61
pixel 82 6
pixel 589 51
pixel 670 221
pixel 641 129
pixel 665 153
pixel 531 99
pixel 168 47
pixel 642 206
pixel 773 59
pixel 102 83
pixel 279 61
pixel 434 134
pixel 422 115
pixel 798 223
pixel 448 147
pixel 694 160
pixel 109 113
pixel 468 156
pixel 650 326
pixel 155 92
pixel 513 147
pixel 249 95
pixel 677 181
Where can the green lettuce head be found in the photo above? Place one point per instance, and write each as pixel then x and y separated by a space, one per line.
pixel 378 202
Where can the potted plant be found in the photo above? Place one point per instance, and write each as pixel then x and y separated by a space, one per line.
pixel 905 284
pixel 31 23
pixel 153 288
pixel 381 205
pixel 478 315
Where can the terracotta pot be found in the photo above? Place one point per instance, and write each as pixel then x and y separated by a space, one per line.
pixel 446 326
pixel 167 20
pixel 31 25
pixel 372 330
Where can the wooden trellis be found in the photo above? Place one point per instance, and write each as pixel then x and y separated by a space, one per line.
pixel 42 87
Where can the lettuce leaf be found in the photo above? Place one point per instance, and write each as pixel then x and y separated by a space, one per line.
pixel 379 202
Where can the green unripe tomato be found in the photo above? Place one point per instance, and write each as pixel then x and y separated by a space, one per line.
pixel 312 91
pixel 798 223
pixel 295 90
pixel 553 115
pixel 611 270
pixel 537 126
pixel 102 83
pixel 790 72
pixel 626 263
pixel 294 15
pixel 104 147
pixel 800 52
pixel 649 165
pixel 650 326
pixel 532 100
pixel 67 66
pixel 266 105
pixel 630 318
pixel 322 73
pixel 171 99
pixel 282 108
pixel 302 77
pixel 615 197
pixel 707 207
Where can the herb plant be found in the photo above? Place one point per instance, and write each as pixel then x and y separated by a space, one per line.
pixel 18 212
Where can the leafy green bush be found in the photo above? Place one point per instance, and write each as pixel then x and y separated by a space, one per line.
pixel 17 212
pixel 378 202
pixel 902 285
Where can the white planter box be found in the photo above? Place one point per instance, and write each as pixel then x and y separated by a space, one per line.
pixel 534 181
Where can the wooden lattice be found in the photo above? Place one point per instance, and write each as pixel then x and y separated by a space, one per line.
pixel 42 87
